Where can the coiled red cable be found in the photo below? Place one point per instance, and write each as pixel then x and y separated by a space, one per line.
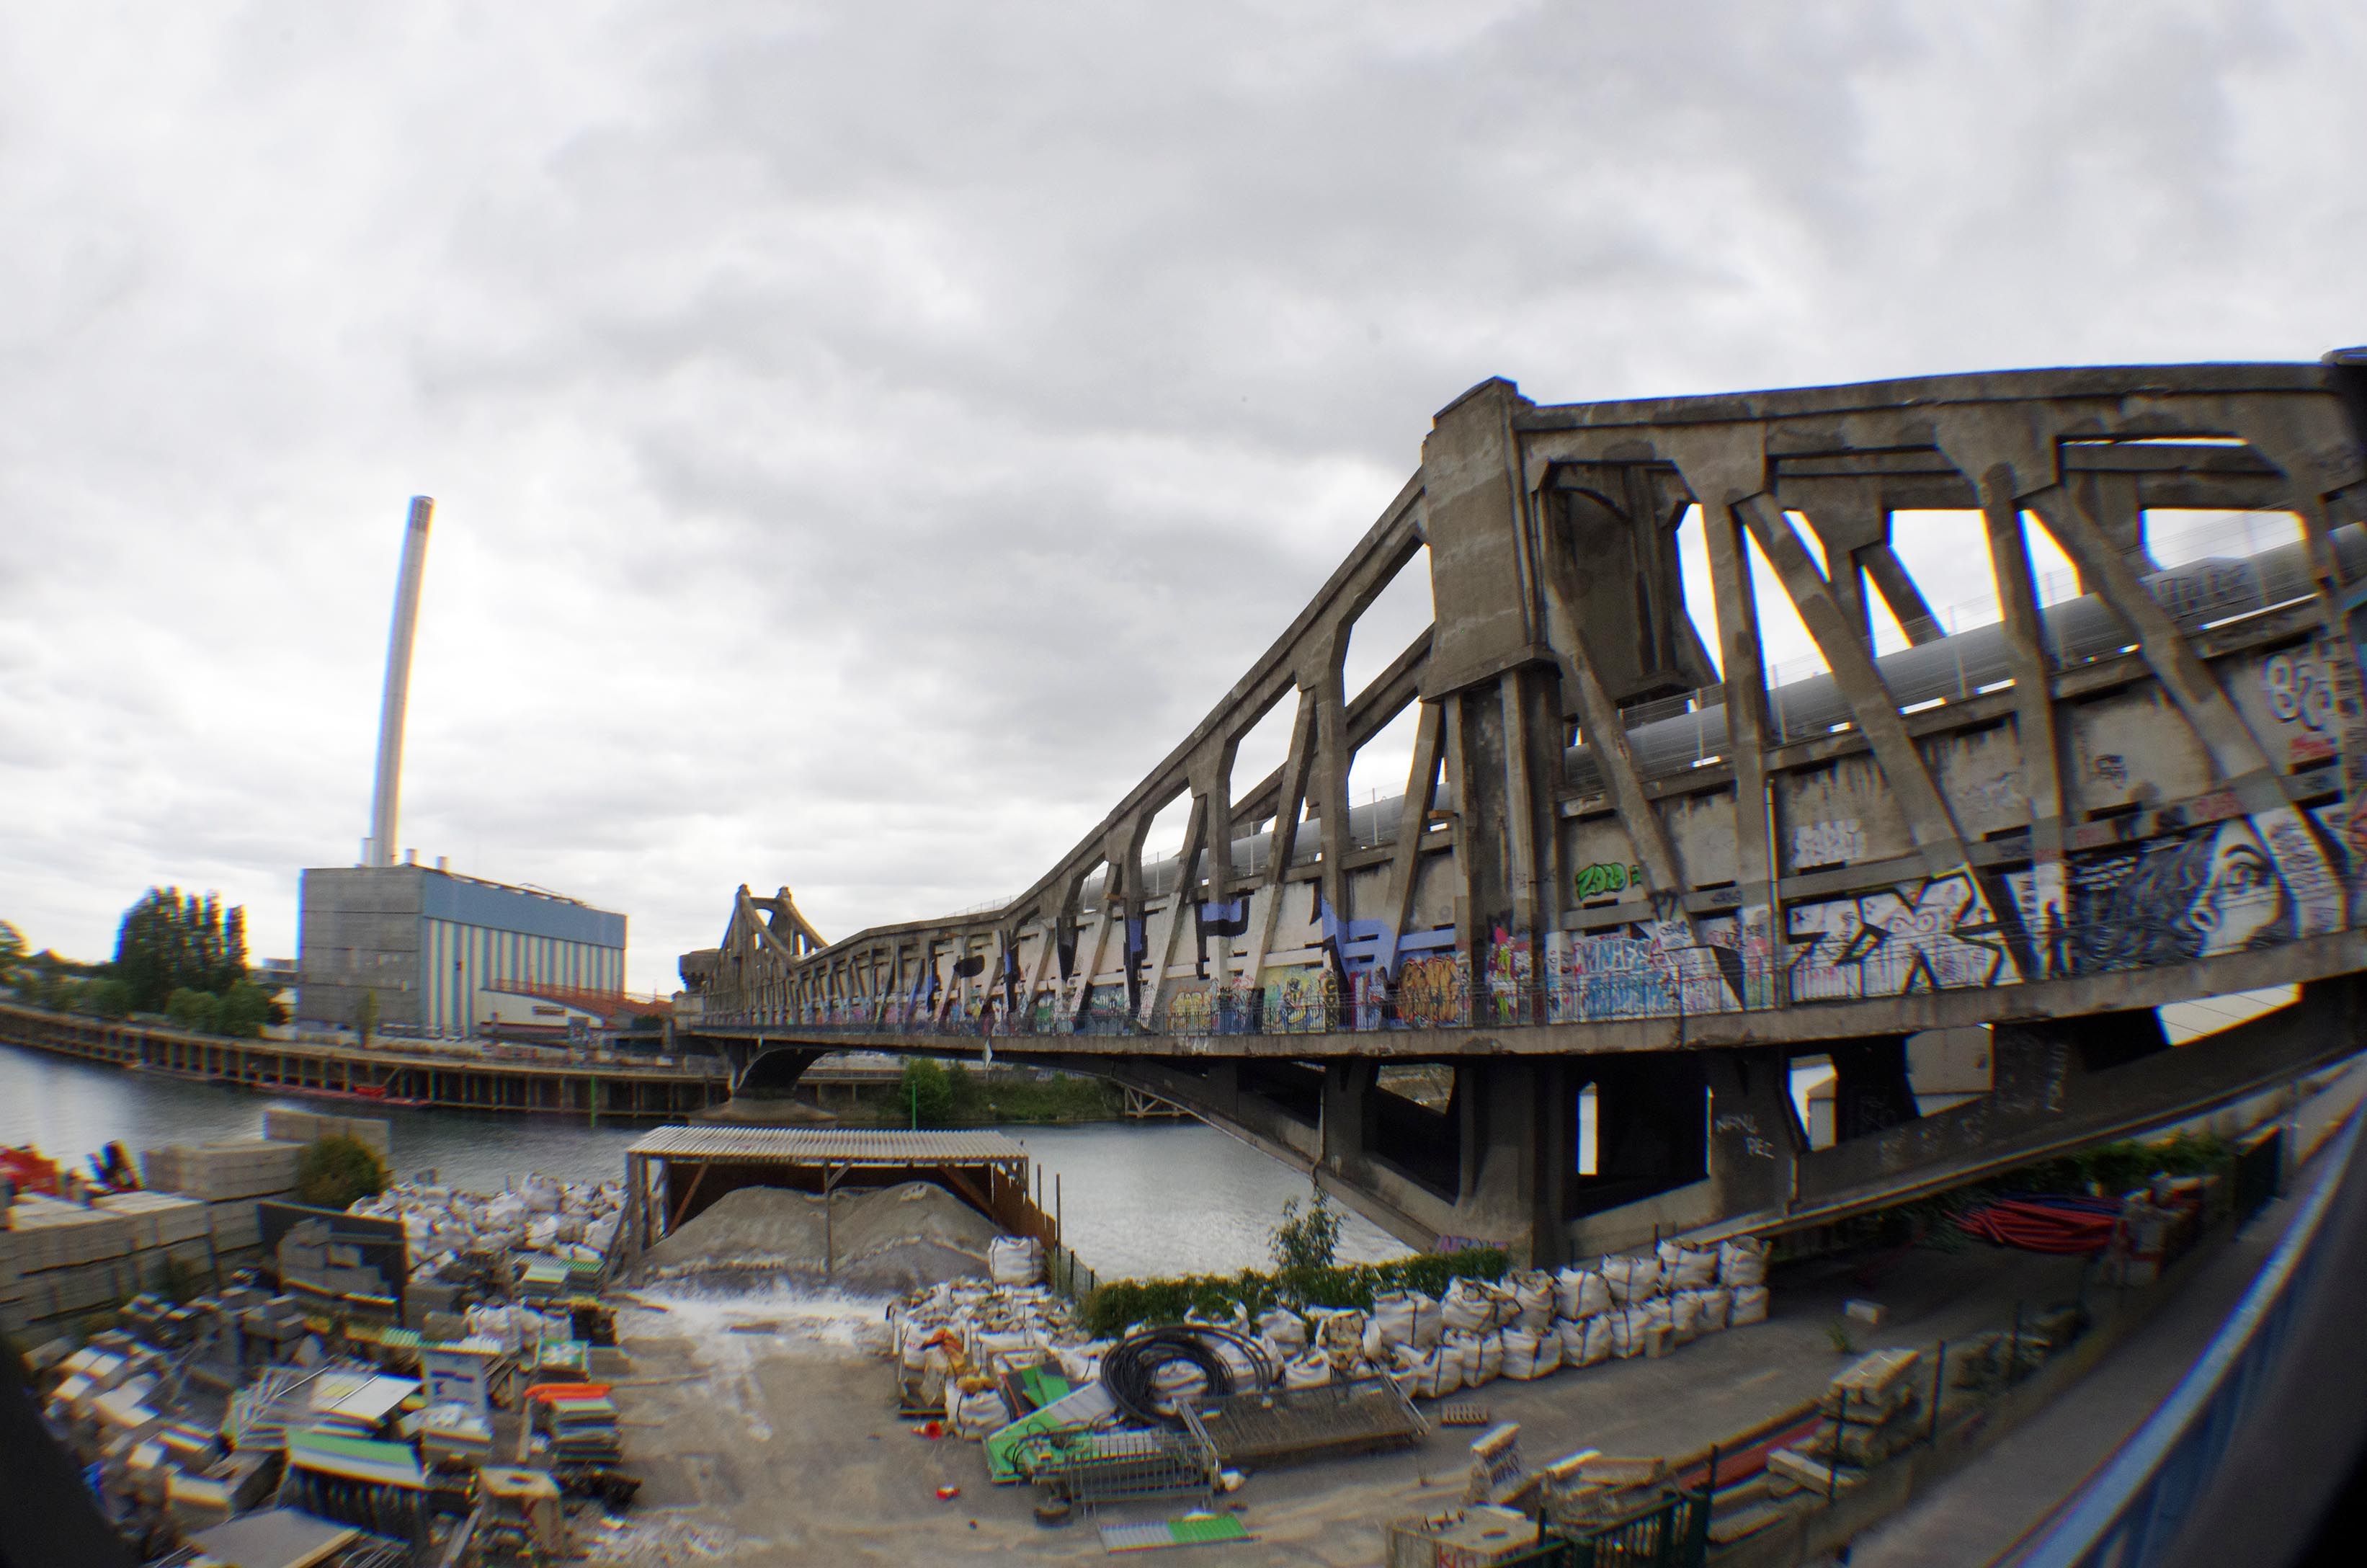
pixel 2045 1223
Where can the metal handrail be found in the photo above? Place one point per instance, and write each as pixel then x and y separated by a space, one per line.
pixel 2128 1513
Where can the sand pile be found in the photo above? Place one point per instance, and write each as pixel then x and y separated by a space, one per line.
pixel 891 1241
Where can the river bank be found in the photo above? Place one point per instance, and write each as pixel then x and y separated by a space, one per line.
pixel 1141 1198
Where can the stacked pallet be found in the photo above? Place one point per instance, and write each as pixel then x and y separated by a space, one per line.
pixel 60 1260
pixel 307 1126
pixel 228 1177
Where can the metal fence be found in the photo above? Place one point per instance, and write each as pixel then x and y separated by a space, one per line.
pixel 2128 1516
pixel 2126 914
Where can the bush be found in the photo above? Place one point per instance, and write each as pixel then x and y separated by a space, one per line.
pixel 245 1008
pixel 334 1172
pixel 1117 1306
pixel 197 1011
pixel 1309 1241
pixel 926 1092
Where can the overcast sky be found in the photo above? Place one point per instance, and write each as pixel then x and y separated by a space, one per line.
pixel 866 438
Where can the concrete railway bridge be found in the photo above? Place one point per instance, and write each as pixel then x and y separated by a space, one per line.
pixel 1623 867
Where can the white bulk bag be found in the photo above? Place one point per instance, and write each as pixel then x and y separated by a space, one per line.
pixel 1285 1328
pixel 1309 1371
pixel 1528 1355
pixel 1462 1347
pixel 1407 1317
pixel 1687 1267
pixel 1684 1316
pixel 975 1415
pixel 1580 1293
pixel 1631 1328
pixel 1631 1280
pixel 1749 1306
pixel 1015 1260
pixel 1465 1307
pixel 1742 1261
pixel 1490 1352
pixel 1585 1341
pixel 1427 1374
pixel 1532 1298
pixel 1717 1307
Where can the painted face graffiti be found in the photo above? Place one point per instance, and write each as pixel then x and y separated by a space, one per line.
pixel 2211 891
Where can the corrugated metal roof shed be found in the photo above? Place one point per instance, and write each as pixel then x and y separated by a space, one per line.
pixel 802 1146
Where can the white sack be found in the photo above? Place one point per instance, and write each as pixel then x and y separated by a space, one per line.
pixel 1581 1293
pixel 1427 1374
pixel 1742 1261
pixel 1285 1328
pixel 1687 1267
pixel 1310 1371
pixel 1532 1298
pixel 1749 1306
pixel 1528 1355
pixel 1631 1280
pixel 1015 1260
pixel 1465 1307
pixel 1407 1317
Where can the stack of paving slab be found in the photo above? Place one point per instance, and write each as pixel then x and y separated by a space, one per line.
pixel 229 1177
pixel 60 1260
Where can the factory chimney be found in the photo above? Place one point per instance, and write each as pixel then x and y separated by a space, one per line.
pixel 379 849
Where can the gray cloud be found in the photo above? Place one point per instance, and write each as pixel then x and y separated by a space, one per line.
pixel 866 442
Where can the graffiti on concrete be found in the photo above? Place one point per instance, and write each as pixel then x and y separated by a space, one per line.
pixel 1299 998
pixel 1434 990
pixel 1649 968
pixel 1938 936
pixel 1605 878
pixel 2301 699
pixel 1512 977
pixel 2218 889
pixel 1828 843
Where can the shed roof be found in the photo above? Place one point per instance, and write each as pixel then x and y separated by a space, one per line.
pixel 837 1146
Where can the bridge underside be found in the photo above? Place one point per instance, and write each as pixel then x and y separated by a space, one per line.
pixel 1705 1142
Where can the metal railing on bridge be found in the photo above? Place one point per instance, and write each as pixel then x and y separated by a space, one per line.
pixel 1894 950
pixel 2131 1514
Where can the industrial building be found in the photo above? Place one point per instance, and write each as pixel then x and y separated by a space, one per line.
pixel 434 946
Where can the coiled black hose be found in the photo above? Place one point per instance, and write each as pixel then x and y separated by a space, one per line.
pixel 1130 1366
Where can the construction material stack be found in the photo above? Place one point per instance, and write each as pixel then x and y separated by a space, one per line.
pixel 62 1260
pixel 229 1177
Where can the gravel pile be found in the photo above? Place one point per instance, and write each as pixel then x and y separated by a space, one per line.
pixel 887 1242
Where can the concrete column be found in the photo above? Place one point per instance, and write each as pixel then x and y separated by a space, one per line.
pixel 1755 1138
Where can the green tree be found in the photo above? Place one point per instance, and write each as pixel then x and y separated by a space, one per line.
pixel 927 1091
pixel 172 941
pixel 245 1008
pixel 200 1011
pixel 1309 1241
pixel 333 1171
pixel 12 954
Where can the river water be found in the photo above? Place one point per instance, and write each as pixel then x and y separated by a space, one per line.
pixel 1136 1198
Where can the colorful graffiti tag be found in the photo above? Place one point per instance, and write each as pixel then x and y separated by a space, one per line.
pixel 1300 998
pixel 1434 991
pixel 1649 968
pixel 1940 937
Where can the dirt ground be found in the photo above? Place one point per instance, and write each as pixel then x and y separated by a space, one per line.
pixel 781 1445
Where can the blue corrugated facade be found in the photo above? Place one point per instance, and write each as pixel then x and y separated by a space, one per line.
pixel 429 944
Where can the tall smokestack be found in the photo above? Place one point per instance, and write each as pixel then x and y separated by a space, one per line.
pixel 384 800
